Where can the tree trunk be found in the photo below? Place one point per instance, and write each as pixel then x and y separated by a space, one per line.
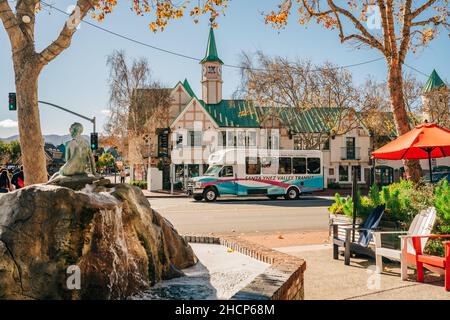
pixel 31 140
pixel 395 82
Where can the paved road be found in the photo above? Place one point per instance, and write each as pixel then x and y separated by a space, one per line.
pixel 244 216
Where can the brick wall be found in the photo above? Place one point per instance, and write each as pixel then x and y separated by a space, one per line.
pixel 283 280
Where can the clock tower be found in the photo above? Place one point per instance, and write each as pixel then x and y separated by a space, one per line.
pixel 211 73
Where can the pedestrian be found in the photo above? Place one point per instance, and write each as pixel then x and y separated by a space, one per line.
pixel 18 179
pixel 123 174
pixel 5 184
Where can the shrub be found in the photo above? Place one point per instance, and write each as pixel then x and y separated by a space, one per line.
pixel 442 226
pixel 342 205
pixel 140 184
pixel 334 185
pixel 374 195
pixel 403 200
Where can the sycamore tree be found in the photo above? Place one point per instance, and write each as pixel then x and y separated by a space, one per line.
pixel 392 27
pixel 297 84
pixel 19 19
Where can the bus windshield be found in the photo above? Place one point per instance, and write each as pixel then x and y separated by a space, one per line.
pixel 213 170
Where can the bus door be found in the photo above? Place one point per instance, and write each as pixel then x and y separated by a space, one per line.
pixel 230 185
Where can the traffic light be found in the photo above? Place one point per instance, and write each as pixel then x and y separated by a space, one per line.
pixel 94 141
pixel 12 101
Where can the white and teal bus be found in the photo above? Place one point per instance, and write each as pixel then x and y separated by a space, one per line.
pixel 271 173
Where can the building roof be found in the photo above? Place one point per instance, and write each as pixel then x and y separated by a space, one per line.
pixel 233 113
pixel 245 114
pixel 188 88
pixel 312 120
pixel 434 83
pixel 211 50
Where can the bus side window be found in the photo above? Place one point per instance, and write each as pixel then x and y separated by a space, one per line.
pixel 269 165
pixel 252 165
pixel 299 165
pixel 313 165
pixel 285 166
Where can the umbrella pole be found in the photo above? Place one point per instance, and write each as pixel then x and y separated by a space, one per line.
pixel 429 163
pixel 354 198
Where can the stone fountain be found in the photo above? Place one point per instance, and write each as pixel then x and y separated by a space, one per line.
pixel 79 236
pixel 81 225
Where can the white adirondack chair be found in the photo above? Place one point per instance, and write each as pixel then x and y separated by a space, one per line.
pixel 421 225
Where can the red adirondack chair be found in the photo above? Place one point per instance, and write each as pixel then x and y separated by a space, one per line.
pixel 432 262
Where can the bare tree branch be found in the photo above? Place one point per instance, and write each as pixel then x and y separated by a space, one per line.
pixel 422 8
pixel 10 22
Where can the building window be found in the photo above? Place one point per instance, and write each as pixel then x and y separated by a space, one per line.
pixel 222 137
pixel 273 140
pixel 298 165
pixel 343 173
pixel 195 138
pixel 179 172
pixel 313 165
pixel 241 140
pixel 351 148
pixel 231 139
pixel 298 143
pixel 326 144
pixel 179 140
pixel 193 170
pixel 285 166
pixel 251 139
pixel 331 171
pixel 252 165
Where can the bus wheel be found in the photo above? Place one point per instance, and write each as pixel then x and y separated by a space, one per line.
pixel 198 198
pixel 272 197
pixel 291 194
pixel 210 195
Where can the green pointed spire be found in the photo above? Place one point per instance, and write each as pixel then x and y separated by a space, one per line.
pixel 211 50
pixel 434 83
pixel 188 88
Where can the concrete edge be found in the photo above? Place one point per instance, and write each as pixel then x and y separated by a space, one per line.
pixel 283 280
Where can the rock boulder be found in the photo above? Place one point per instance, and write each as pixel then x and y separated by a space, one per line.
pixel 108 234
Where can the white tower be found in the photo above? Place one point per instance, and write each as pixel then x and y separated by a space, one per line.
pixel 211 73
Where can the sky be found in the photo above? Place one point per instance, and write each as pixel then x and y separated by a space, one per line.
pixel 77 79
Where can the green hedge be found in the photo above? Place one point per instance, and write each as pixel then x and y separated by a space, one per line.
pixel 140 184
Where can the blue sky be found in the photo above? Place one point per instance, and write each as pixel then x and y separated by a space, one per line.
pixel 78 78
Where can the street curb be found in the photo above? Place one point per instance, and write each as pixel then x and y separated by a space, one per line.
pixel 165 197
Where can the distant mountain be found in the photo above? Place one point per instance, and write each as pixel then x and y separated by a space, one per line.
pixel 54 139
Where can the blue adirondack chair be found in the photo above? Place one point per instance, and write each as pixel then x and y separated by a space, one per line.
pixel 361 246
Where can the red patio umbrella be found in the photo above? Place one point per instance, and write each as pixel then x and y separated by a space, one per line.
pixel 425 141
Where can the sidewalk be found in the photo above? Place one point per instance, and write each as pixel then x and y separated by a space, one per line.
pixel 326 278
pixel 164 194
